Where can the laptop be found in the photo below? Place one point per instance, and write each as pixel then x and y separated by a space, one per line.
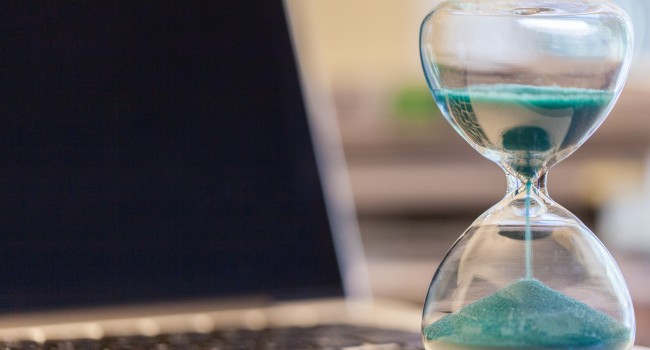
pixel 161 175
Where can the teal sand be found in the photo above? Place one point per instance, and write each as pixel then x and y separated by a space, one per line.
pixel 587 108
pixel 527 315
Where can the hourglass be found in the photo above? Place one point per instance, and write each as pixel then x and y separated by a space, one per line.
pixel 525 83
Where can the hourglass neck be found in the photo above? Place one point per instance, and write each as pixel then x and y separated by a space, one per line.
pixel 539 183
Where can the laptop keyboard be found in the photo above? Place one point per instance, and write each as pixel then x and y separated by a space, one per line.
pixel 327 337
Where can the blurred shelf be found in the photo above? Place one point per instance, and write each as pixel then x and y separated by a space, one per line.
pixel 425 168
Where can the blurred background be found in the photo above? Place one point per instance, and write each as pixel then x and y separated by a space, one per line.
pixel 417 185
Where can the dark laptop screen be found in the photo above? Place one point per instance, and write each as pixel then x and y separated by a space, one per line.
pixel 155 151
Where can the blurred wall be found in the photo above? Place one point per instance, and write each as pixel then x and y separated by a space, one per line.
pixel 364 42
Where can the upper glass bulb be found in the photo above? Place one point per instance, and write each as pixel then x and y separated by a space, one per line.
pixel 526 82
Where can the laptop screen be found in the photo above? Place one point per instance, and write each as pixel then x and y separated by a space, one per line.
pixel 155 151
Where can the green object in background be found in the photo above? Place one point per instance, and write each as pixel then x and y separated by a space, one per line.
pixel 529 315
pixel 415 103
